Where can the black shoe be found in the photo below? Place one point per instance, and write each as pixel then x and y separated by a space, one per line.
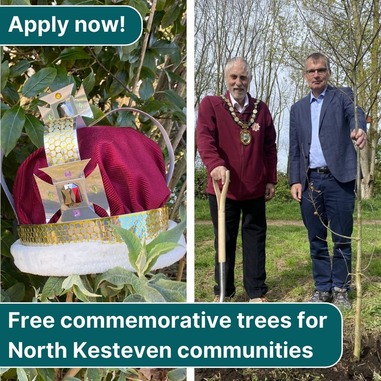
pixel 340 298
pixel 321 296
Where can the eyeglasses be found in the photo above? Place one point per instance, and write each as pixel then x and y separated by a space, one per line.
pixel 322 70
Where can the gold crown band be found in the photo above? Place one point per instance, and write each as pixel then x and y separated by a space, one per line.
pixel 146 225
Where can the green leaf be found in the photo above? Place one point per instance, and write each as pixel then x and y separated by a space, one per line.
pixel 52 288
pixel 16 292
pixel 62 79
pixel 150 294
pixel 146 90
pixel 7 239
pixel 133 244
pixel 171 235
pixel 46 374
pixel 125 119
pixel 147 73
pixel 10 94
pixel 94 374
pixel 21 374
pixel 134 298
pixel 155 252
pixel 168 48
pixel 173 291
pixel 182 213
pixel 174 98
pixel 82 2
pixel 83 294
pixel 19 68
pixel 20 2
pixel 129 371
pixel 152 106
pixel 11 127
pixel 179 374
pixel 117 276
pixel 126 50
pixel 4 73
pixel 89 82
pixel 39 82
pixel 180 116
pixel 109 291
pixel 74 53
pixel 35 130
pixel 117 86
pixel 141 262
pixel 75 282
pixel 97 112
pixel 3 370
pixel 150 60
pixel 160 6
pixel 140 6
pixel 5 297
pixel 173 77
pixel 171 15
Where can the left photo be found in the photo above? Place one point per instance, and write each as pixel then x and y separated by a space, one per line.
pixel 93 148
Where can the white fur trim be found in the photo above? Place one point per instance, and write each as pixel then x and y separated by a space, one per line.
pixel 84 258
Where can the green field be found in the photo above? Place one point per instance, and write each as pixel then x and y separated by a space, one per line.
pixel 288 263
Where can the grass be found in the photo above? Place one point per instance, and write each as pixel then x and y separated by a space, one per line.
pixel 288 263
pixel 289 277
pixel 289 210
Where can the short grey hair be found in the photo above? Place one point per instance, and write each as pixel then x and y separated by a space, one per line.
pixel 318 57
pixel 232 61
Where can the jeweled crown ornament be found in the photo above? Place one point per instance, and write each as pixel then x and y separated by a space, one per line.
pixel 71 192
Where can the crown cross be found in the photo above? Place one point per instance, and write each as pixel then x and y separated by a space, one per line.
pixel 71 192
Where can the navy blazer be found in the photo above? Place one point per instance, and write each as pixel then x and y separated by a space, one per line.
pixel 337 120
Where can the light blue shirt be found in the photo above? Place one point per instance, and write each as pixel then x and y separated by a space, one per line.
pixel 316 154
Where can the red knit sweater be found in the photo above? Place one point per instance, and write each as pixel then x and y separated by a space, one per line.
pixel 218 142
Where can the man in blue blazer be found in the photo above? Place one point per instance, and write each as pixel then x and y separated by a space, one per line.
pixel 322 175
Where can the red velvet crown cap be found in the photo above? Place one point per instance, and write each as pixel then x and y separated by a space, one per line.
pixel 131 164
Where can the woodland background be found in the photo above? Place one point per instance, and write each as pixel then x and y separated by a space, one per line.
pixel 275 37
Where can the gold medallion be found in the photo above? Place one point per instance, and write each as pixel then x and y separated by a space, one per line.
pixel 245 134
pixel 245 137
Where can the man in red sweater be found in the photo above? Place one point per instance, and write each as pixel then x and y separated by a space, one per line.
pixel 235 132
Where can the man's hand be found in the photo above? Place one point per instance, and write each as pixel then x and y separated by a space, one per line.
pixel 296 191
pixel 270 191
pixel 359 137
pixel 219 173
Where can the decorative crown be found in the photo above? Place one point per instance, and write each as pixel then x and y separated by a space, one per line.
pixel 119 181
pixel 72 194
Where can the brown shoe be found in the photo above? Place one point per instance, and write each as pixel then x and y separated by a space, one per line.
pixel 227 299
pixel 261 299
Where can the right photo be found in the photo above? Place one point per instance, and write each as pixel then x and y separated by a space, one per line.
pixel 287 168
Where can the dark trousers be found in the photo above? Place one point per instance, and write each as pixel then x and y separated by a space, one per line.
pixel 327 202
pixel 253 244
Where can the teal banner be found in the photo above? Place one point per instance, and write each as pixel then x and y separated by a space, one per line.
pixel 170 335
pixel 69 25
